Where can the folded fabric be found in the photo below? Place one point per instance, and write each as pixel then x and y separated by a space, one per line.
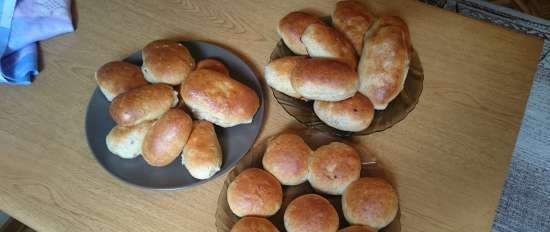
pixel 22 24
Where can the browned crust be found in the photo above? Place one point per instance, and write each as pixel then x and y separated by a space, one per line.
pixel 353 19
pixel 286 157
pixel 254 224
pixel 166 138
pixel 326 42
pixel 291 27
pixel 277 74
pixel 213 64
pixel 254 192
pixel 168 61
pixel 118 77
pixel 352 114
pixel 202 154
pixel 357 228
pixel 311 212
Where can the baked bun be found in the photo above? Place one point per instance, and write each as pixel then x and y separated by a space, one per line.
pixel 254 192
pixel 219 99
pixel 353 19
pixel 311 212
pixel 384 64
pixel 213 64
pixel 357 228
pixel 142 104
pixel 333 167
pixel 126 141
pixel 370 201
pixel 391 21
pixel 166 61
pixel 326 42
pixel 324 79
pixel 166 138
pixel 254 224
pixel 277 74
pixel 353 114
pixel 202 155
pixel 286 157
pixel 291 28
pixel 118 77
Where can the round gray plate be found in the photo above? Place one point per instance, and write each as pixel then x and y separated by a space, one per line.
pixel 235 141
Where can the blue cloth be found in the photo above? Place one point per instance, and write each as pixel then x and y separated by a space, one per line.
pixel 22 24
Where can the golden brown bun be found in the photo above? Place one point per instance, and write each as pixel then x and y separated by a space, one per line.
pixel 254 192
pixel 219 99
pixel 353 114
pixel 166 138
pixel 166 61
pixel 118 77
pixel 353 19
pixel 311 212
pixel 202 155
pixel 291 28
pixel 254 224
pixel 277 74
pixel 286 157
pixel 324 79
pixel 391 21
pixel 126 141
pixel 384 65
pixel 357 228
pixel 326 42
pixel 333 167
pixel 370 201
pixel 142 104
pixel 213 64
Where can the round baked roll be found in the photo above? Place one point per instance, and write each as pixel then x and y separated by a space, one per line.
pixel 254 192
pixel 353 19
pixel 370 201
pixel 324 80
pixel 213 64
pixel 326 42
pixel 357 228
pixel 292 26
pixel 333 167
pixel 142 104
pixel 277 74
pixel 118 77
pixel 166 61
pixel 126 141
pixel 254 224
pixel 286 157
pixel 311 212
pixel 353 114
pixel 218 98
pixel 202 155
pixel 166 138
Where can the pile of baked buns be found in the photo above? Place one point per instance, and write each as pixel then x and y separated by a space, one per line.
pixel 149 119
pixel 349 70
pixel 368 203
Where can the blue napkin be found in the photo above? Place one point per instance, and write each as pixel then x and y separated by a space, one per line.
pixel 22 24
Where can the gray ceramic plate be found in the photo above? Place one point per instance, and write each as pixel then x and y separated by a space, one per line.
pixel 235 141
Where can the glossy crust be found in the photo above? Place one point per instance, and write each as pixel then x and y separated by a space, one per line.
pixel 219 99
pixel 117 77
pixel 357 228
pixel 333 167
pixel 370 201
pixel 277 74
pixel 254 224
pixel 126 141
pixel 353 114
pixel 353 19
pixel 384 65
pixel 166 61
pixel 213 64
pixel 292 26
pixel 142 104
pixel 324 79
pixel 326 42
pixel 166 138
pixel 286 157
pixel 311 212
pixel 254 192
pixel 202 155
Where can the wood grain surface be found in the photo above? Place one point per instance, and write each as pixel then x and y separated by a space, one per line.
pixel 448 159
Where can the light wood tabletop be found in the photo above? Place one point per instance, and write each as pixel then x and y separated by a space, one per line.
pixel 448 159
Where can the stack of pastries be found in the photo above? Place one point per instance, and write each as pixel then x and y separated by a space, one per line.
pixel 151 123
pixel 349 70
pixel 368 203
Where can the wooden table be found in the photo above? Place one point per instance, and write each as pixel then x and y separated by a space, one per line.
pixel 448 159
